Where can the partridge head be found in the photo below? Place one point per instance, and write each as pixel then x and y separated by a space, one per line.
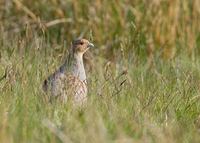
pixel 80 46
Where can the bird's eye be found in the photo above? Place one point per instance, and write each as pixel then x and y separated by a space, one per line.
pixel 81 43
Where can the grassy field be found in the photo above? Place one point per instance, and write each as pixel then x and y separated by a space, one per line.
pixel 143 74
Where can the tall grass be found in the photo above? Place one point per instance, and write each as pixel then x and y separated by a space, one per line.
pixel 143 75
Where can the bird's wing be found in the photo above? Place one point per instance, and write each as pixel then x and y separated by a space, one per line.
pixel 53 82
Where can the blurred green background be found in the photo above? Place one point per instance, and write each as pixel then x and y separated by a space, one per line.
pixel 143 74
pixel 144 28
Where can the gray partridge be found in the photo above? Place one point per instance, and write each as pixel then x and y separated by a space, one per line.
pixel 69 81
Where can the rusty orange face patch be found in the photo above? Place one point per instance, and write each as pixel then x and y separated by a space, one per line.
pixel 81 45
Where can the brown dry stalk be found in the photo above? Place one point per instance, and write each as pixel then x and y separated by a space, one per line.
pixel 41 25
pixel 58 21
pixel 26 10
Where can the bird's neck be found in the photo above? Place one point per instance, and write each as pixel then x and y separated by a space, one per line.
pixel 78 66
pixel 74 64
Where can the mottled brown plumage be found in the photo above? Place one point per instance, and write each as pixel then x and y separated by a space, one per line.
pixel 69 81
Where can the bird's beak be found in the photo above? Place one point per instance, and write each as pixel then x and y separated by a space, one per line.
pixel 90 45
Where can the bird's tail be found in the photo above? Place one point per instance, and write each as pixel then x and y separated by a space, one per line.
pixel 45 85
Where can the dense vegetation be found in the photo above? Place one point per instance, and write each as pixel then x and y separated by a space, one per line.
pixel 143 75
